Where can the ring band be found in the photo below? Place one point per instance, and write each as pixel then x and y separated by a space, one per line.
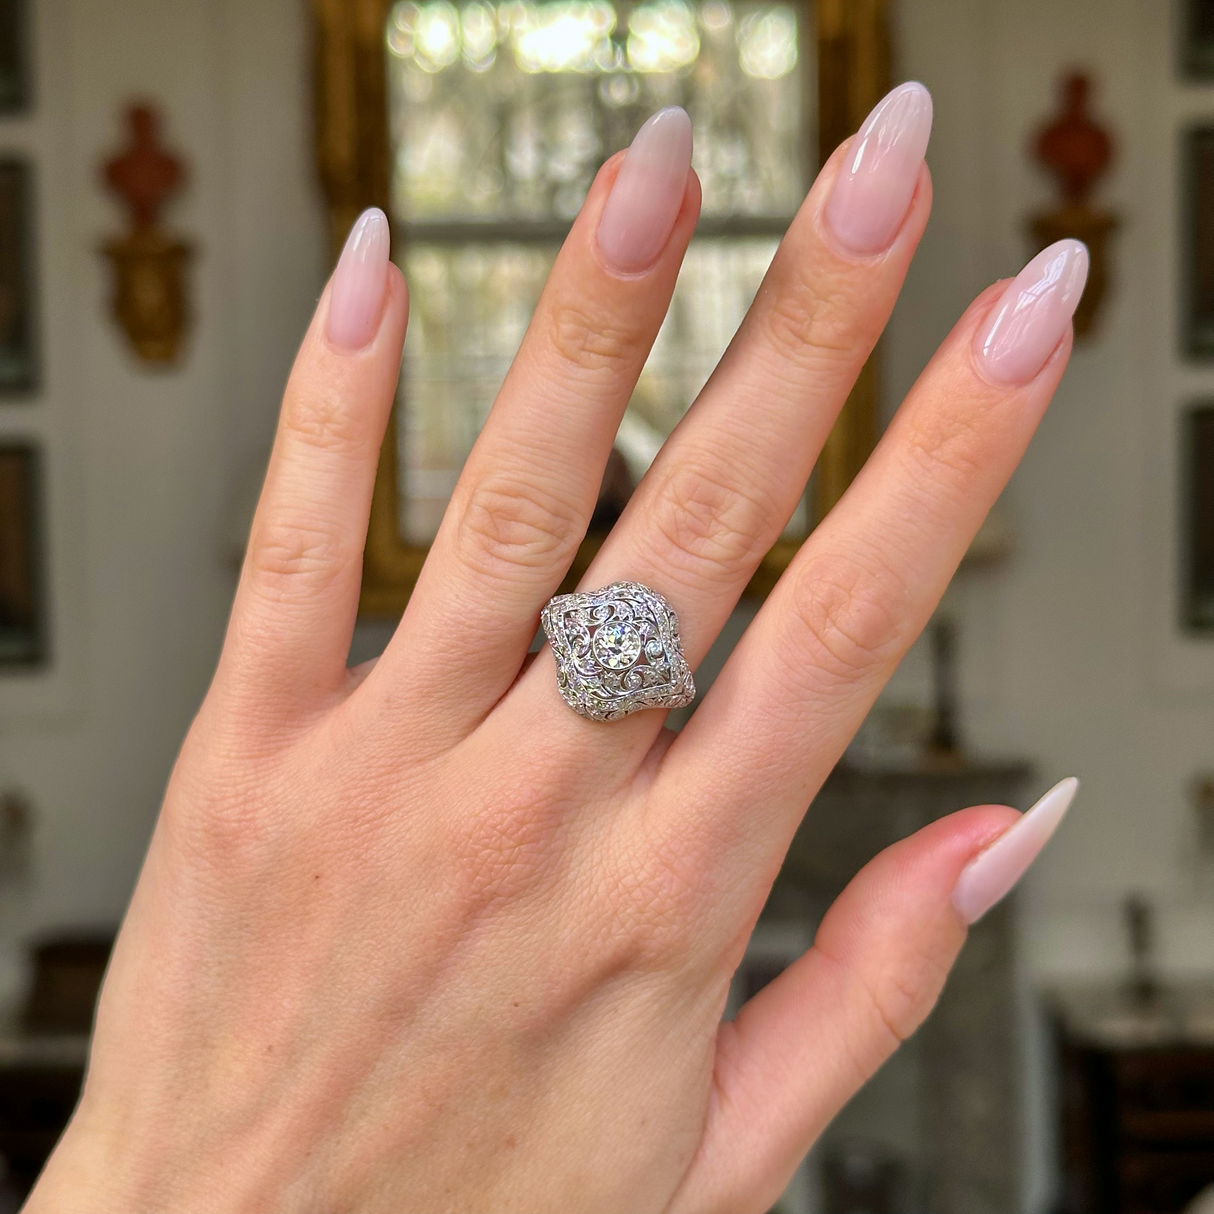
pixel 617 651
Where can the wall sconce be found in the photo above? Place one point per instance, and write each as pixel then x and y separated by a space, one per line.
pixel 149 263
pixel 1077 151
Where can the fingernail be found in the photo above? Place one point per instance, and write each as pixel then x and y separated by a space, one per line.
pixel 356 297
pixel 874 188
pixel 645 200
pixel 1033 314
pixel 992 873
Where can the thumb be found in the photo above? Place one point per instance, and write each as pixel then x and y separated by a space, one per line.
pixel 800 1049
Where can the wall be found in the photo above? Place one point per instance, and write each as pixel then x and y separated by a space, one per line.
pixel 148 471
pixel 1069 654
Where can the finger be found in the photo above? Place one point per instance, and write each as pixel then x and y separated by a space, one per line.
pixel 529 487
pixel 800 1049
pixel 726 482
pixel 863 586
pixel 294 611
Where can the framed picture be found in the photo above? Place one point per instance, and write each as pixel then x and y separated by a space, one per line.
pixel 21 617
pixel 18 359
pixel 1197 242
pixel 1197 40
pixel 1197 461
pixel 14 59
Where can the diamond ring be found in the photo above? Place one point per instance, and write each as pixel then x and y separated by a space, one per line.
pixel 617 651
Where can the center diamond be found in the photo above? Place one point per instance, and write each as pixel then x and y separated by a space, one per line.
pixel 617 645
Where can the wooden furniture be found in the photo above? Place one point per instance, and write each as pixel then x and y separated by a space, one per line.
pixel 1136 1099
pixel 353 145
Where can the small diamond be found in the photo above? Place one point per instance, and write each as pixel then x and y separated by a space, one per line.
pixel 617 645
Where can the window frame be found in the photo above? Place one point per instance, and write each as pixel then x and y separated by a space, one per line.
pixel 851 43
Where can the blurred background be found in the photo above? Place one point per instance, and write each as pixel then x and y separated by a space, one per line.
pixel 175 179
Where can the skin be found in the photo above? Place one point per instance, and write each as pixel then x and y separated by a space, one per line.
pixel 415 937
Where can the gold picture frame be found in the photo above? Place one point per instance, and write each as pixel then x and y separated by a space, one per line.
pixel 352 148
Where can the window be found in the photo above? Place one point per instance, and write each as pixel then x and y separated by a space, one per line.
pixel 501 113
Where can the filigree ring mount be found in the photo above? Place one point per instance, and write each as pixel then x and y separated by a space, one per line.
pixel 617 651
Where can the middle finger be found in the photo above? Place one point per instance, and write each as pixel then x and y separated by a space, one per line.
pixel 727 481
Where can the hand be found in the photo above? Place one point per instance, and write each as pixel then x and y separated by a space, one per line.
pixel 416 937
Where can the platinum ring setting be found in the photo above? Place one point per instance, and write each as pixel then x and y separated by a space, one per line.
pixel 617 651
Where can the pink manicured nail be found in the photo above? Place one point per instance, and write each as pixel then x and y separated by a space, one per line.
pixel 875 186
pixel 1034 313
pixel 356 297
pixel 992 873
pixel 645 200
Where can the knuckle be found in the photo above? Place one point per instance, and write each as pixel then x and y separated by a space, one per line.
pixel 506 849
pixel 889 1006
pixel 287 554
pixel 225 823
pixel 325 422
pixel 847 616
pixel 228 836
pixel 703 514
pixel 589 341
pixel 810 319
pixel 947 450
pixel 659 891
pixel 868 1050
pixel 899 997
pixel 896 1006
pixel 508 525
